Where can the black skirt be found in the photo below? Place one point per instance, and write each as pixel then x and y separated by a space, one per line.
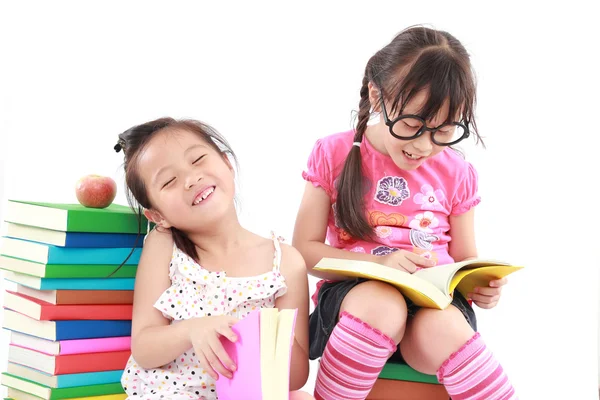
pixel 325 316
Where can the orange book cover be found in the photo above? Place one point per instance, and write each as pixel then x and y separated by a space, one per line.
pixel 79 296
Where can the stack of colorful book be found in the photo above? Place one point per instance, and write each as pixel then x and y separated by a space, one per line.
pixel 70 306
pixel 401 382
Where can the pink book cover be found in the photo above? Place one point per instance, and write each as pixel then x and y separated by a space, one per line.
pixel 245 353
pixel 101 345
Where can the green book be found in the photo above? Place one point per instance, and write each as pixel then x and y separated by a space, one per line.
pixel 402 372
pixel 115 218
pixel 48 393
pixel 65 270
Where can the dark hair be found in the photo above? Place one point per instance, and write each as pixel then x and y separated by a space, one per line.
pixel 134 140
pixel 418 58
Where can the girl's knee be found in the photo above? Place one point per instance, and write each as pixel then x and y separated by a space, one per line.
pixel 432 336
pixel 380 305
pixel 451 321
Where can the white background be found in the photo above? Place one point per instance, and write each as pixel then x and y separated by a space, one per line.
pixel 273 78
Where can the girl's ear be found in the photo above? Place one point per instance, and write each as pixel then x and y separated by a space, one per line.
pixel 158 219
pixel 227 161
pixel 374 97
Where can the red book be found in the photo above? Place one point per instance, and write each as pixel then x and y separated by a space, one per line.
pixel 43 311
pixel 68 364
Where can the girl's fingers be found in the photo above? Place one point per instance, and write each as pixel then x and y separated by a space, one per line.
pixel 498 282
pixel 227 332
pixel 206 364
pixel 420 260
pixel 214 361
pixel 407 265
pixel 480 298
pixel 485 305
pixel 488 291
pixel 222 357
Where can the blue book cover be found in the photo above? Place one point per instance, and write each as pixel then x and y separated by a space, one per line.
pixel 73 239
pixel 71 283
pixel 66 380
pixel 66 330
pixel 49 254
pixel 88 329
pixel 104 240
pixel 88 378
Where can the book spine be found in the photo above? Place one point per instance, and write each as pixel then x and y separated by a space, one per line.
pixel 67 330
pixel 94 297
pixel 105 222
pixel 89 255
pixel 80 391
pixel 88 378
pixel 86 312
pixel 87 284
pixel 103 240
pixel 89 271
pixel 101 345
pixel 92 362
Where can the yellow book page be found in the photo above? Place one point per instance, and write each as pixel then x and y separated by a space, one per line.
pixel 467 280
pixel 420 291
pixel 268 338
pixel 281 365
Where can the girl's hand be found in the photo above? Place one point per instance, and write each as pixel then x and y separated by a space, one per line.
pixel 204 335
pixel 487 297
pixel 405 261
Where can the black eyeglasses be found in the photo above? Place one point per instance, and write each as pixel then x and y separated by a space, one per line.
pixel 409 126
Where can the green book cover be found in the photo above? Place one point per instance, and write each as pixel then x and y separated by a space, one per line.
pixel 49 393
pixel 115 218
pixel 66 270
pixel 89 271
pixel 402 372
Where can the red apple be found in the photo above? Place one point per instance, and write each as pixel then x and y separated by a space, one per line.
pixel 96 191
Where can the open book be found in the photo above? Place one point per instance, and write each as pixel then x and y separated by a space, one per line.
pixel 262 355
pixel 428 287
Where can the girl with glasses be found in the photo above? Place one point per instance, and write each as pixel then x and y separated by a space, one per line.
pixel 394 191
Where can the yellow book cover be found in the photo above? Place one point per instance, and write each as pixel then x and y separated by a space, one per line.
pixel 429 287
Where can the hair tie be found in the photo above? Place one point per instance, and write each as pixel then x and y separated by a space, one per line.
pixel 357 144
pixel 120 145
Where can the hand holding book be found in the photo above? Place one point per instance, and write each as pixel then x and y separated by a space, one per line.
pixel 487 296
pixel 205 334
pixel 405 261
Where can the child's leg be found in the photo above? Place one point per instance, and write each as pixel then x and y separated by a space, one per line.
pixel 372 321
pixel 443 343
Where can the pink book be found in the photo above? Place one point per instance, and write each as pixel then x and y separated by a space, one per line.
pixel 100 345
pixel 64 347
pixel 262 355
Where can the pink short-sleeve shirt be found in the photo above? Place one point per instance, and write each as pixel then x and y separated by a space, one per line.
pixel 408 210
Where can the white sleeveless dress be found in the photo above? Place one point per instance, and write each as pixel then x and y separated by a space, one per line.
pixel 196 292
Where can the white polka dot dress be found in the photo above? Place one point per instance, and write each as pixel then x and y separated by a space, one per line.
pixel 196 292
